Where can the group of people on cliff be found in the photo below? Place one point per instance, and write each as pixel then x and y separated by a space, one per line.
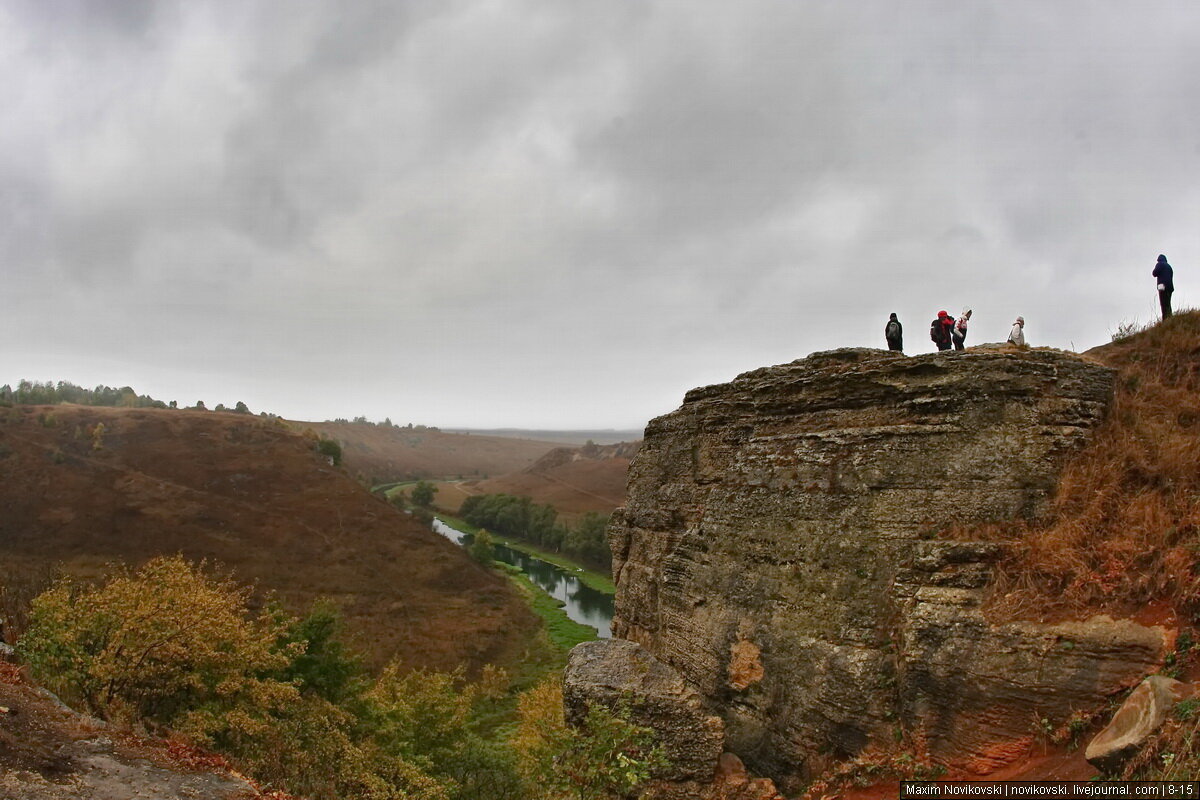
pixel 947 331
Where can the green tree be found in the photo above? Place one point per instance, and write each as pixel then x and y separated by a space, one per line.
pixel 331 449
pixel 423 492
pixel 423 516
pixel 481 547
pixel 321 663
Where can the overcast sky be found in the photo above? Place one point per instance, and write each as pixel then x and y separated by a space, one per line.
pixel 566 213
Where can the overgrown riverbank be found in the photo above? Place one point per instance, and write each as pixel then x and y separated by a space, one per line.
pixel 563 631
pixel 588 577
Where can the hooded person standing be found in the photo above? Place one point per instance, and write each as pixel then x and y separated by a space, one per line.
pixel 939 330
pixel 1166 284
pixel 959 332
pixel 894 333
pixel 1017 334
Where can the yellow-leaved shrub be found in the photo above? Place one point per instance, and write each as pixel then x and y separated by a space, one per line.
pixel 157 643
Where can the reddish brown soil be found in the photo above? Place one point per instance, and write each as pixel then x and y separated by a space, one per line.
pixel 396 454
pixel 574 480
pixel 251 496
pixel 1038 763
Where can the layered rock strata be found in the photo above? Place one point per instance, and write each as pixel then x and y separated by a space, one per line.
pixel 779 549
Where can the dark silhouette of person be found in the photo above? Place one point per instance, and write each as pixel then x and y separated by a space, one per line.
pixel 894 333
pixel 939 330
pixel 1166 284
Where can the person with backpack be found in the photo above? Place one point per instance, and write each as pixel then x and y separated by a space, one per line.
pixel 1166 284
pixel 894 333
pixel 939 330
pixel 959 332
pixel 1017 334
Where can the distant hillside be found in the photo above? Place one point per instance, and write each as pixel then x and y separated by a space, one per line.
pixel 577 437
pixel 572 479
pixel 381 453
pixel 247 494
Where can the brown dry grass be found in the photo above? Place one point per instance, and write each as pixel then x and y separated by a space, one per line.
pixel 573 480
pixel 382 455
pixel 1122 530
pixel 256 499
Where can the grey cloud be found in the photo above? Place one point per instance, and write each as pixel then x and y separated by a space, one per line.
pixel 585 207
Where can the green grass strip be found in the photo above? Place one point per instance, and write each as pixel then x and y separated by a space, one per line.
pixel 563 631
pixel 595 580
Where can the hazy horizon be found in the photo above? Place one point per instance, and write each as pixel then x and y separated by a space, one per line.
pixel 557 216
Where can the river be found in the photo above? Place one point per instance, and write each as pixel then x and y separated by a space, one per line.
pixel 582 603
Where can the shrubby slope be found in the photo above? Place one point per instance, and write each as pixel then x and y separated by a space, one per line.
pixel 252 496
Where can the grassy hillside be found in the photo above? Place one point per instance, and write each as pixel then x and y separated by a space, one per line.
pixel 571 438
pixel 384 454
pixel 81 487
pixel 574 480
pixel 1123 532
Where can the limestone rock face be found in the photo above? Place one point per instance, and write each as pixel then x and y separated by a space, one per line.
pixel 777 549
pixel 614 672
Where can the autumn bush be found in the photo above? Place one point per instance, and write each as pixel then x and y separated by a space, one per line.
pixel 169 645
pixel 608 757
pixel 287 702
pixel 1124 527
pixel 158 644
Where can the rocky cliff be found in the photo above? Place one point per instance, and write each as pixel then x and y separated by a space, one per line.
pixel 780 549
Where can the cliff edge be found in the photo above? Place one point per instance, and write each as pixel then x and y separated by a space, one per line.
pixel 779 548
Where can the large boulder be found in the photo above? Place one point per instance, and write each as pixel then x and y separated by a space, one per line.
pixel 1138 718
pixel 618 674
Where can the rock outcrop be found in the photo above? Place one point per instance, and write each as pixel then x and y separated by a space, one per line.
pixel 779 548
pixel 48 752
pixel 1138 719
pixel 621 673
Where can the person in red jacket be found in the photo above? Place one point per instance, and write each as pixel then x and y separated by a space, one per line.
pixel 939 330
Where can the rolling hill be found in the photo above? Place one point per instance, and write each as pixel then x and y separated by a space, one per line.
pixel 81 487
pixel 574 480
pixel 382 454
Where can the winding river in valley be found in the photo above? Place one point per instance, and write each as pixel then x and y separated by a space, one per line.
pixel 582 603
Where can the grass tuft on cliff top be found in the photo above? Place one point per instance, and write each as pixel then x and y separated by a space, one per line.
pixel 1123 530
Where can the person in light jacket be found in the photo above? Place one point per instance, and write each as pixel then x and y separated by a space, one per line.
pixel 1017 334
pixel 894 333
pixel 1166 284
pixel 959 332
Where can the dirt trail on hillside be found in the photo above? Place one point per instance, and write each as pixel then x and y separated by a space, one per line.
pixel 48 752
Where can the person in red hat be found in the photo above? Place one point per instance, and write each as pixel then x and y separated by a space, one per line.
pixel 940 330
